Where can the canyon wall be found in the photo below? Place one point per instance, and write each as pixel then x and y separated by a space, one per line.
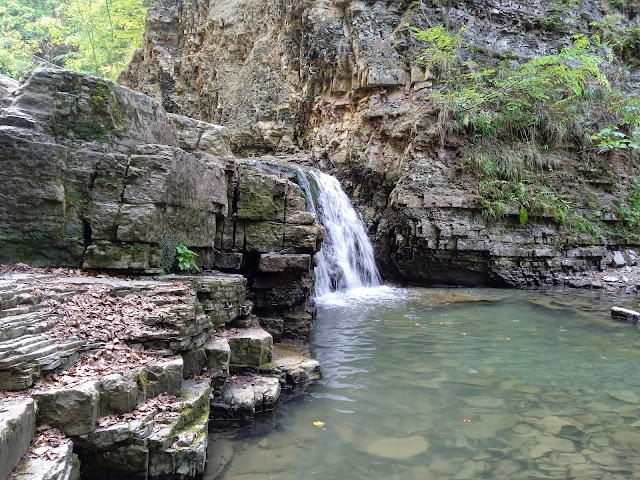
pixel 334 85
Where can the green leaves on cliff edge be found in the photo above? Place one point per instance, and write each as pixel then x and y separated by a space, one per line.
pixel 517 116
pixel 94 36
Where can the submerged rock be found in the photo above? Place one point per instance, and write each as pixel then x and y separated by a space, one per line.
pixel 624 396
pixel 398 448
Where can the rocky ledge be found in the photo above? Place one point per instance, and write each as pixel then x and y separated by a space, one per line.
pixel 120 377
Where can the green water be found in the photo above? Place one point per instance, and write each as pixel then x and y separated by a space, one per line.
pixel 457 384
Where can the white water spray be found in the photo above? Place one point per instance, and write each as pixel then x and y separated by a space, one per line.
pixel 346 259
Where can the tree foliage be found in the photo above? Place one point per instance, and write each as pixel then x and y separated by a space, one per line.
pixel 94 36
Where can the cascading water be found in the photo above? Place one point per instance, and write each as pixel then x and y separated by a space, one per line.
pixel 346 259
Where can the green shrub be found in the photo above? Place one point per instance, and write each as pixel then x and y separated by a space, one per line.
pixel 186 258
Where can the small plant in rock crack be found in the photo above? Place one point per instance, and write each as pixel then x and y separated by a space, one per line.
pixel 186 258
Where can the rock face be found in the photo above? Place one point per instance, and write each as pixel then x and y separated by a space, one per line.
pixel 93 174
pixel 336 84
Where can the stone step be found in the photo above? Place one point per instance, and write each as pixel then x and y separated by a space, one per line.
pixel 19 298
pixel 19 310
pixel 8 348
pixel 22 348
pixel 250 347
pixel 41 352
pixel 17 421
pixel 165 438
pixel 74 409
pixel 244 396
pixel 26 324
pixel 21 371
pixel 39 349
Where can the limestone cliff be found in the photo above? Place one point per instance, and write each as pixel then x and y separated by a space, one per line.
pixel 334 84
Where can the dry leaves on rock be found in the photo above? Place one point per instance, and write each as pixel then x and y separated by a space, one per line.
pixel 116 357
pixel 97 316
pixel 159 406
pixel 45 440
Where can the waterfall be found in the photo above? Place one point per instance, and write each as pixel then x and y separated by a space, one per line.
pixel 346 259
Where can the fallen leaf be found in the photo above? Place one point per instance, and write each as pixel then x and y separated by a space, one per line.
pixel 319 424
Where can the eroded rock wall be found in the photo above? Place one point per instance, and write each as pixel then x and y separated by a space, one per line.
pixel 98 176
pixel 334 84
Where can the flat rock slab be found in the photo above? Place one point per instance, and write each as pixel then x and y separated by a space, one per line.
pixel 398 448
pixel 296 368
pixel 17 421
pixel 244 396
pixel 624 396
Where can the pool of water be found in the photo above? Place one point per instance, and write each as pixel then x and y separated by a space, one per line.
pixel 455 384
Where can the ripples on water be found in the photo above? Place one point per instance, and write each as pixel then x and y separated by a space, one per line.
pixel 457 384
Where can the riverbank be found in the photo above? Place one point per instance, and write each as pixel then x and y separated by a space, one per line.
pixel 121 375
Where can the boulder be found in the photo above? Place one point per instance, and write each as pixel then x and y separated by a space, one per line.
pixel 7 85
pixel 119 393
pixel 194 362
pixel 618 260
pixel 164 377
pixel 72 410
pixel 244 396
pixel 218 356
pixel 625 315
pixel 296 369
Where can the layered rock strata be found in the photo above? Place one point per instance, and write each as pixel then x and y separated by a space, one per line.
pixel 97 176
pixel 154 360
pixel 335 85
